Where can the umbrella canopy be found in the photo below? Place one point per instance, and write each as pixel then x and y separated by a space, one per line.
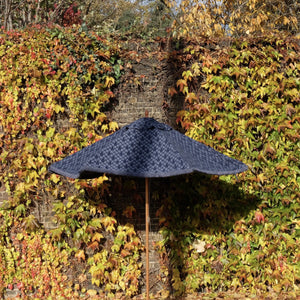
pixel 146 148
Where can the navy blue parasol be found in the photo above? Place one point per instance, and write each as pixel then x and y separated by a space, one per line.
pixel 146 148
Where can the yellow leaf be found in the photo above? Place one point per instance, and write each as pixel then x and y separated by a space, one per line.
pixel 91 293
pixel 80 255
pixel 187 75
pixel 31 162
pixel 217 27
pixel 84 125
pixel 97 237
pixel 55 178
pixel 99 180
pixel 109 81
pixel 58 108
pixel 111 228
pixel 261 177
pixel 122 285
pixel 190 97
pixel 93 211
pixel 286 20
pixel 49 152
pixel 196 69
pixel 50 132
pixel 71 132
pixel 104 127
pixel 114 276
pixel 113 126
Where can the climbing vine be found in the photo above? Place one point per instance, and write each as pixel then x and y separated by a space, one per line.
pixel 242 100
pixel 237 234
pixel 55 86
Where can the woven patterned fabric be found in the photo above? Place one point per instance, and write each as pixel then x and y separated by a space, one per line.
pixel 146 148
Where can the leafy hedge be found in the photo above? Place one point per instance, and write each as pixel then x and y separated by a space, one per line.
pixel 243 100
pixel 233 233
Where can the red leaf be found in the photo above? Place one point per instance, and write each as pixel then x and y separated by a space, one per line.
pixel 259 217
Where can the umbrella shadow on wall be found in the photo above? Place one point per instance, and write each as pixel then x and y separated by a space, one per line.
pixel 181 209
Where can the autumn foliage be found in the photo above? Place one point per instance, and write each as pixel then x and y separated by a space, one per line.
pixel 236 18
pixel 237 234
pixel 55 84
pixel 243 100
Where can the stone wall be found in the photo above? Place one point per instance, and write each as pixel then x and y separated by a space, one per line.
pixel 3 194
pixel 145 87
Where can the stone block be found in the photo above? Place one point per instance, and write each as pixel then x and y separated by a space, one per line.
pixel 132 100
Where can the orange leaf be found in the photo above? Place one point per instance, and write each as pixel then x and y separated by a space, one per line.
pixel 181 83
pixel 172 91
pixel 125 253
pixel 94 245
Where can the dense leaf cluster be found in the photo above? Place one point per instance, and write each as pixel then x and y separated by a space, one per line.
pixel 55 85
pixel 243 100
pixel 237 18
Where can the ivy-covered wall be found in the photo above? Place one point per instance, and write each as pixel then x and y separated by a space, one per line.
pixel 244 100
pixel 63 89
pixel 51 91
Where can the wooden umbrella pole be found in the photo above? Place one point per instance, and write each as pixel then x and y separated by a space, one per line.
pixel 147 236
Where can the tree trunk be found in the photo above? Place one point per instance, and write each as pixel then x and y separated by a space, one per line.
pixel 7 15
